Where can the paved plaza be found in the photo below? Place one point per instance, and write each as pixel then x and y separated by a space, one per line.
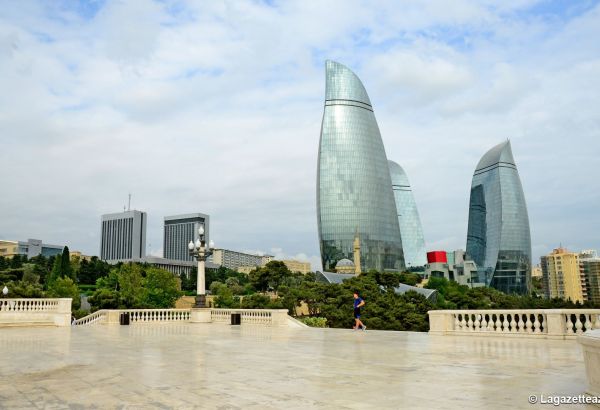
pixel 255 367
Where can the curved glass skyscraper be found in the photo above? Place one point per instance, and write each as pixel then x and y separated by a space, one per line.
pixel 498 237
pixel 411 232
pixel 354 188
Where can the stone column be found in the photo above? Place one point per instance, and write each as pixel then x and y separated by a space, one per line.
pixel 440 322
pixel 62 317
pixel 555 324
pixel 200 315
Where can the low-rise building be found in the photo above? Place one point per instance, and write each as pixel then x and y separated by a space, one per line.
pixel 297 266
pixel 235 260
pixel 460 270
pixel 175 266
pixel 30 248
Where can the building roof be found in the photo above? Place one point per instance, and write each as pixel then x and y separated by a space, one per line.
pixel 343 84
pixel 500 153
pixel 337 278
pixel 344 263
pixel 430 294
pixel 186 216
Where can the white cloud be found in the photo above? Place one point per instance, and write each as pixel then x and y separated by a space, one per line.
pixel 216 106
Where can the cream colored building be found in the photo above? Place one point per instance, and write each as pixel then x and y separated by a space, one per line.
pixel 80 256
pixel 297 266
pixel 246 269
pixel 238 260
pixel 536 272
pixel 9 248
pixel 563 276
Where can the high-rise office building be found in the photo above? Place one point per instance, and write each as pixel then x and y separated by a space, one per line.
pixel 123 236
pixel 498 237
pixel 411 232
pixel 179 230
pixel 590 266
pixel 563 276
pixel 354 187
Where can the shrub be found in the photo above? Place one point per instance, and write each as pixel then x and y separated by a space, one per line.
pixel 315 321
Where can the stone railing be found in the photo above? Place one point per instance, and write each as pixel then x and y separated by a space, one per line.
pixel 549 323
pixel 93 319
pixel 112 316
pixel 271 317
pixel 28 312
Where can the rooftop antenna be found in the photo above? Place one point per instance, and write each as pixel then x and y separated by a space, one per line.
pixel 129 203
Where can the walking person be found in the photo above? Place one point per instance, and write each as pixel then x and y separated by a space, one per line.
pixel 358 303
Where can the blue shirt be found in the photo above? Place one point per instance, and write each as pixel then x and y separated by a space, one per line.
pixel 357 302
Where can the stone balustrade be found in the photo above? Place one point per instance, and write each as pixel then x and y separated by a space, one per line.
pixel 548 323
pixel 93 319
pixel 270 317
pixel 30 312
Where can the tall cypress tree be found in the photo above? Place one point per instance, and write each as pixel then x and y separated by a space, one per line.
pixel 66 270
pixel 56 271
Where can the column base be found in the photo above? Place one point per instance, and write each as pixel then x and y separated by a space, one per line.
pixel 200 315
pixel 200 302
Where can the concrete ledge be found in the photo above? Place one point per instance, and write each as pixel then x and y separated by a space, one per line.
pixel 590 343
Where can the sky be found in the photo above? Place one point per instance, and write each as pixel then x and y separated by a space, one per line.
pixel 216 107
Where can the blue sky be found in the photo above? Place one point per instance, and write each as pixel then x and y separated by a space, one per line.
pixel 216 107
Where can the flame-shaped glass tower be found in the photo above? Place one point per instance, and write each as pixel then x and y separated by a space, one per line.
pixel 498 237
pixel 411 231
pixel 354 187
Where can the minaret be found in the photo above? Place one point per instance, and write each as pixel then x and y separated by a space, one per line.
pixel 357 270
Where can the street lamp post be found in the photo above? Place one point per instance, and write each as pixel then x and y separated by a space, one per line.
pixel 201 251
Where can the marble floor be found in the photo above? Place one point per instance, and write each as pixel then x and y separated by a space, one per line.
pixel 252 367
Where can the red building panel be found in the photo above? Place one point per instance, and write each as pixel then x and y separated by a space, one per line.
pixel 437 257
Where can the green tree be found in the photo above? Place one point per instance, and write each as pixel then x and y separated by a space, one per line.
pixel 56 271
pixel 64 287
pixel 161 289
pixel 90 271
pixel 130 282
pixel 270 276
pixel 66 270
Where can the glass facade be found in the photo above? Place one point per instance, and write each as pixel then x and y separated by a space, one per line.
pixel 354 188
pixel 498 237
pixel 411 232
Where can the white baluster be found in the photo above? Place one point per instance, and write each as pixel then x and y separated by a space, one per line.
pixel 528 324
pixel 505 324
pixel 470 323
pixel 569 324
pixel 520 323
pixel 513 323
pixel 484 323
pixel 463 322
pixel 578 324
pixel 536 324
